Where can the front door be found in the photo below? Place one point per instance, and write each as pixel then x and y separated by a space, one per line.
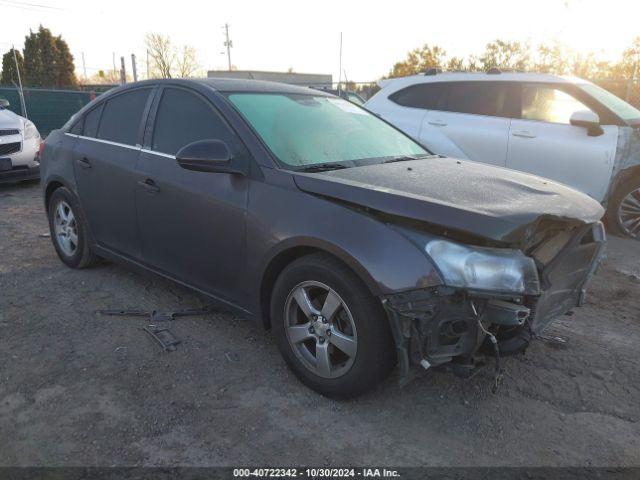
pixel 192 224
pixel 105 158
pixel 543 142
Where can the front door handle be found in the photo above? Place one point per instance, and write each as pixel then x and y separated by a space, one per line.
pixel 438 123
pixel 149 185
pixel 84 162
pixel 523 134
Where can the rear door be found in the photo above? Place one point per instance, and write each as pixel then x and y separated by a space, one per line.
pixel 104 164
pixel 542 141
pixel 471 120
pixel 407 107
pixel 192 224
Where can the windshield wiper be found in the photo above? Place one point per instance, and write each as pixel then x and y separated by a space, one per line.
pixel 322 167
pixel 406 158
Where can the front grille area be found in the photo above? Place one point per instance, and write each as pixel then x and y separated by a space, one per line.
pixel 7 148
pixel 11 131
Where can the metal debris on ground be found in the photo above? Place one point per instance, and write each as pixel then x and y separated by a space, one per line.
pixel 163 336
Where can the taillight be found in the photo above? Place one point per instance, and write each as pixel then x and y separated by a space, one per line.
pixel 40 150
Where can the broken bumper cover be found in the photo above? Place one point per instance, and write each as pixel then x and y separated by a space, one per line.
pixel 450 324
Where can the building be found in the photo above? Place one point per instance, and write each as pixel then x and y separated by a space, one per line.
pixel 304 79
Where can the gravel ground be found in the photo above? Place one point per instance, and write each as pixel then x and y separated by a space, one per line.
pixel 77 388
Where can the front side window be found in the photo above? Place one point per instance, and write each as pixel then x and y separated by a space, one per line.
pixel 122 116
pixel 476 98
pixel 548 104
pixel 422 95
pixel 183 118
pixel 303 130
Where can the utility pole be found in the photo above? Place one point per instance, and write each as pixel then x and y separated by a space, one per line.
pixel 632 80
pixel 23 105
pixel 84 68
pixel 340 69
pixel 123 72
pixel 134 70
pixel 228 43
pixel 148 75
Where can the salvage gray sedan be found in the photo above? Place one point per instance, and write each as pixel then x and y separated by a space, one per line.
pixel 356 246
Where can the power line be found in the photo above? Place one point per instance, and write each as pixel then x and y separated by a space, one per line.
pixel 29 6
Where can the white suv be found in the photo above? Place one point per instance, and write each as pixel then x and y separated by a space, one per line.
pixel 563 128
pixel 19 147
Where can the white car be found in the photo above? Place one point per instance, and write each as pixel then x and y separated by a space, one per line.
pixel 19 147
pixel 563 128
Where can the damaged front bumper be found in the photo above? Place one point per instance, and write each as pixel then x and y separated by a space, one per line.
pixel 445 325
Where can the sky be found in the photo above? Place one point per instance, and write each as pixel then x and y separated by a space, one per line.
pixel 276 35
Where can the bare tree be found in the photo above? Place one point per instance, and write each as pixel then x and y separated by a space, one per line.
pixel 186 62
pixel 161 53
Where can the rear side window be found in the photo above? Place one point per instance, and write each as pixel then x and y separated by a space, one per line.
pixel 77 127
pixel 422 95
pixel 122 116
pixel 183 118
pixel 477 98
pixel 91 121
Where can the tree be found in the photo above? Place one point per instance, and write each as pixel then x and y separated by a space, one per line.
pixel 9 72
pixel 505 55
pixel 552 58
pixel 47 60
pixel 162 55
pixel 186 62
pixel 419 60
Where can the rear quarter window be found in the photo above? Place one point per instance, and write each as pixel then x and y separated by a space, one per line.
pixel 422 95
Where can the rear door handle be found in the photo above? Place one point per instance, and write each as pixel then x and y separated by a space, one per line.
pixel 523 134
pixel 84 162
pixel 149 185
pixel 437 123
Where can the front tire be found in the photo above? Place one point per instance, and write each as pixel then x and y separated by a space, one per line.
pixel 623 213
pixel 331 331
pixel 69 232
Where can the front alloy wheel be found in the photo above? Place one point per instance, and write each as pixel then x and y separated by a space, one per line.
pixel 332 332
pixel 629 214
pixel 320 329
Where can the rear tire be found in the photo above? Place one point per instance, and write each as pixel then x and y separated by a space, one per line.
pixel 623 212
pixel 69 232
pixel 355 323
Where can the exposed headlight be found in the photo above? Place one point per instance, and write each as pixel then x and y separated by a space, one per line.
pixel 494 269
pixel 30 130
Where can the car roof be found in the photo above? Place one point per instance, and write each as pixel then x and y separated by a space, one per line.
pixel 480 77
pixel 226 85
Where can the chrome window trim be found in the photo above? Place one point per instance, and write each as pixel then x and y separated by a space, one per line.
pixel 107 142
pixel 160 154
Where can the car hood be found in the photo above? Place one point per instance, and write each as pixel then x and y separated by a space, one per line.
pixel 482 200
pixel 8 119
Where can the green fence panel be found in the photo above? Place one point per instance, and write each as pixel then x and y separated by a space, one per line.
pixel 48 109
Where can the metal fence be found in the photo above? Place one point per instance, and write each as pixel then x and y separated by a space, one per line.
pixel 48 109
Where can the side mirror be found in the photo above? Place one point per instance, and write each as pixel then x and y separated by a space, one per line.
pixel 4 103
pixel 207 156
pixel 588 120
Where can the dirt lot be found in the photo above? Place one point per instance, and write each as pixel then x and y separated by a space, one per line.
pixel 80 389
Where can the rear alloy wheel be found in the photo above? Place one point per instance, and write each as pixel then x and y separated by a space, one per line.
pixel 332 332
pixel 68 229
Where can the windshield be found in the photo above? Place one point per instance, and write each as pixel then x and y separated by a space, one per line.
pixel 621 108
pixel 303 130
